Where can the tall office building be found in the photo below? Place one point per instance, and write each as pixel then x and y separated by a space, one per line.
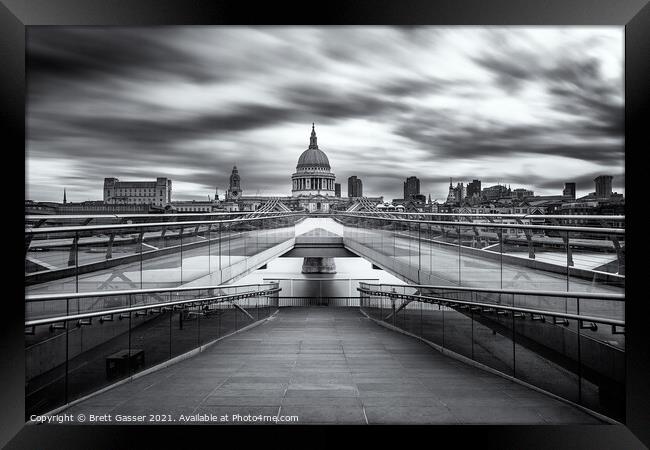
pixel 355 187
pixel 569 190
pixel 337 189
pixel 411 187
pixel 603 186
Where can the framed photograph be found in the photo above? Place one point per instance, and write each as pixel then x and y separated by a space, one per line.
pixel 354 215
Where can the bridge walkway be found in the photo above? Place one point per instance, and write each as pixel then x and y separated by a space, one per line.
pixel 331 365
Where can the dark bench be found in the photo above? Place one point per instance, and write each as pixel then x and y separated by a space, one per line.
pixel 118 363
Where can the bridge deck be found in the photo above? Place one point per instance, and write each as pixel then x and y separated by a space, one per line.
pixel 331 365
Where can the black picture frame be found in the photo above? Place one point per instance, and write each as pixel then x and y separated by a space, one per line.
pixel 16 15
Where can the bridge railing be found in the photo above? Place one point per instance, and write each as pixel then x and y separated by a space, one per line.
pixel 571 344
pixel 148 254
pixel 42 221
pixel 77 344
pixel 594 220
pixel 495 251
pixel 331 302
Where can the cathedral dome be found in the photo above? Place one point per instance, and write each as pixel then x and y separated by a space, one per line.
pixel 313 156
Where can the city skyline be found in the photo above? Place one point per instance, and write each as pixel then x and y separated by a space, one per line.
pixel 531 107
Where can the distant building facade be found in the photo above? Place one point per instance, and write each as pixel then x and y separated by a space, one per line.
pixel 456 194
pixel 496 192
pixel 569 191
pixel 355 187
pixel 474 188
pixel 337 189
pixel 100 207
pixel 39 208
pixel 603 186
pixel 411 188
pixel 158 193
pixel 612 206
pixel 196 206
pixel 522 193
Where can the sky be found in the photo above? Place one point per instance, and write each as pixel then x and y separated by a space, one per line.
pixel 530 107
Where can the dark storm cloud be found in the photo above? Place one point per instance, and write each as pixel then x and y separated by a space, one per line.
pixel 389 102
pixel 520 67
pixel 473 142
pixel 509 73
pixel 413 87
pixel 329 102
pixel 512 64
pixel 143 131
pixel 598 105
pixel 85 53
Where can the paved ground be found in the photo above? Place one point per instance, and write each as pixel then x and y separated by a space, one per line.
pixel 331 365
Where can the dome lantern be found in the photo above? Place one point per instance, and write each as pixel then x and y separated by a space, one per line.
pixel 313 157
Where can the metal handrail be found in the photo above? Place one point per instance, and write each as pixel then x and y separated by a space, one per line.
pixel 147 225
pixel 221 298
pixel 541 312
pixel 563 294
pixel 513 216
pixel 498 225
pixel 126 216
pixel 73 295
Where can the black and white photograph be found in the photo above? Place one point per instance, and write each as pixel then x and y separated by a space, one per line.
pixel 325 225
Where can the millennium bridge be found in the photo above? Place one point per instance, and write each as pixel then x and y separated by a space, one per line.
pixel 496 318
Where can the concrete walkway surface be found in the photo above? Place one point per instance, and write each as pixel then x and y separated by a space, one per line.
pixel 327 365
